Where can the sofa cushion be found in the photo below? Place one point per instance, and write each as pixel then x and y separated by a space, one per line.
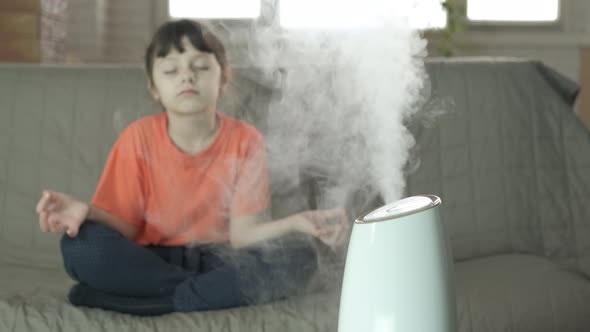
pixel 34 299
pixel 520 293
pixel 517 293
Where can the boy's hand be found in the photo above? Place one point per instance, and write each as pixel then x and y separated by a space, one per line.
pixel 330 226
pixel 60 213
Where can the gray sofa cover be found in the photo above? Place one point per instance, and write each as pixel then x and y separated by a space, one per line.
pixel 508 157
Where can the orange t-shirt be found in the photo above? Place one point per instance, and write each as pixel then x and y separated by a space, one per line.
pixel 176 198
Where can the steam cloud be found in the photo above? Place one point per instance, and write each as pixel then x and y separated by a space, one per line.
pixel 344 96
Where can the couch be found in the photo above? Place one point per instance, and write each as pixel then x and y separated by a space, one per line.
pixel 498 141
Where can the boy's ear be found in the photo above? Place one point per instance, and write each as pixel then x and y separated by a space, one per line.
pixel 222 87
pixel 152 90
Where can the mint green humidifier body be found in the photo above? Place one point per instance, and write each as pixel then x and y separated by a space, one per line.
pixel 398 275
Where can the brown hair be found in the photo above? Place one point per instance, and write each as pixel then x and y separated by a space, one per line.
pixel 170 35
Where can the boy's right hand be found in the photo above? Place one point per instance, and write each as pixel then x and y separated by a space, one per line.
pixel 60 213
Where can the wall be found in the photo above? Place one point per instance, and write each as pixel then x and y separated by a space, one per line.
pixel 33 31
pixel 86 22
pixel 558 45
pixel 118 31
pixel 111 31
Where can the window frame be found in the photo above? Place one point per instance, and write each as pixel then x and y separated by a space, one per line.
pixel 511 24
pixel 278 14
pixel 270 16
pixel 267 16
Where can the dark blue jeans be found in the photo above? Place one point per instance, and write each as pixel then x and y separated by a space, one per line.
pixel 117 274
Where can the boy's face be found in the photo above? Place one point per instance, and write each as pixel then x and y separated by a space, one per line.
pixel 187 82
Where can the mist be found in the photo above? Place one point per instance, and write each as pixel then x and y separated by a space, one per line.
pixel 344 95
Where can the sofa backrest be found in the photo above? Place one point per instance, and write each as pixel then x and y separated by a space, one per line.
pixel 57 125
pixel 509 158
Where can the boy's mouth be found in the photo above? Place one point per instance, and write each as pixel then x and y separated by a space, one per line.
pixel 189 91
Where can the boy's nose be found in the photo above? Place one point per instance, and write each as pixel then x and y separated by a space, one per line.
pixel 188 76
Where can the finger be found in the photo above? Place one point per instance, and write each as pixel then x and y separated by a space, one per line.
pixel 51 202
pixel 334 236
pixel 341 235
pixel 54 222
pixel 329 241
pixel 306 225
pixel 339 239
pixel 52 226
pixel 344 216
pixel 334 232
pixel 333 222
pixel 72 230
pixel 316 229
pixel 343 223
pixel 325 232
pixel 331 214
pixel 338 231
pixel 43 222
pixel 60 228
pixel 48 224
pixel 68 225
pixel 43 201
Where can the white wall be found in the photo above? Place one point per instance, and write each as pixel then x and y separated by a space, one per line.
pixel 118 31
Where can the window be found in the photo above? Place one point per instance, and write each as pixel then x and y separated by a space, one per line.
pixel 327 14
pixel 428 15
pixel 513 10
pixel 214 9
pixel 302 14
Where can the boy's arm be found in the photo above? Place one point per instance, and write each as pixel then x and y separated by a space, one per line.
pixel 328 225
pixel 101 216
pixel 247 230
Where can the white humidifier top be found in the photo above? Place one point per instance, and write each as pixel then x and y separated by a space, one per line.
pixel 401 208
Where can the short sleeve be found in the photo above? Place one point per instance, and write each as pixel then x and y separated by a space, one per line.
pixel 120 188
pixel 251 194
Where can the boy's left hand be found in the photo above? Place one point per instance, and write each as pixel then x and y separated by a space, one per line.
pixel 330 226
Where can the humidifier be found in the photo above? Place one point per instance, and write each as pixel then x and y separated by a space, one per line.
pixel 398 275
